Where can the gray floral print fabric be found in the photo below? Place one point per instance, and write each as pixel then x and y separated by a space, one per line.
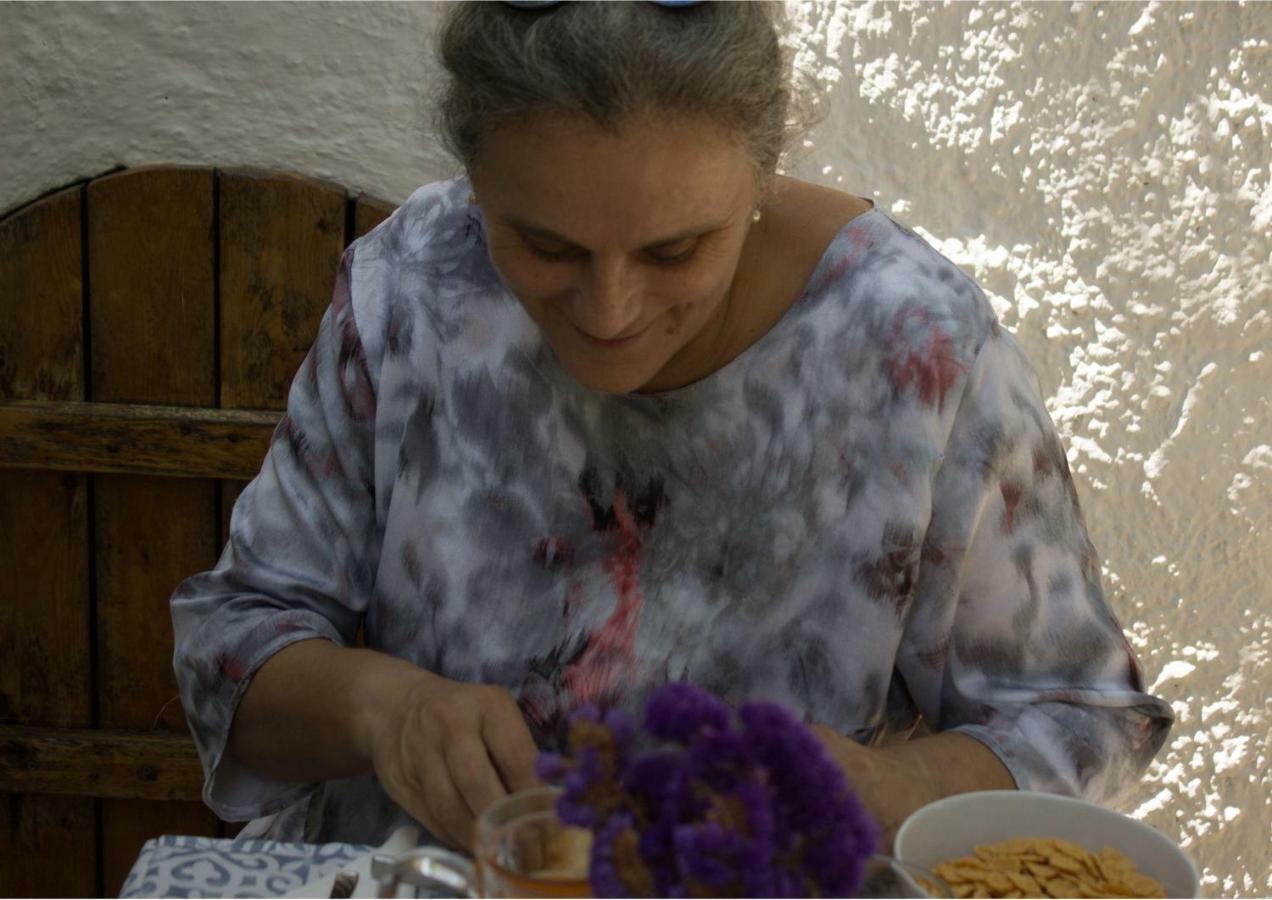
pixel 867 515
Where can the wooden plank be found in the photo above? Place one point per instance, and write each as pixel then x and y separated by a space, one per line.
pixel 152 309
pixel 281 240
pixel 135 439
pixel 45 658
pixel 141 557
pixel 45 663
pixel 47 847
pixel 151 237
pixel 41 298
pixel 369 212
pixel 85 762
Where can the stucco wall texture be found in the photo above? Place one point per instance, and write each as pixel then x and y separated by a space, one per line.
pixel 1101 170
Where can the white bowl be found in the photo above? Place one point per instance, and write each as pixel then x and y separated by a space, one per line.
pixel 950 828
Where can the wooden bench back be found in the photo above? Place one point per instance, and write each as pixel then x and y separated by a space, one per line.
pixel 151 321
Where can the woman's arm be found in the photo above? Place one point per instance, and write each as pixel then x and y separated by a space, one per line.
pixel 894 781
pixel 311 710
pixel 443 750
pixel 276 696
pixel 1010 650
pixel 1011 639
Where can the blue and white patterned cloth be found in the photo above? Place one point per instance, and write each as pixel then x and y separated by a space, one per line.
pixel 182 866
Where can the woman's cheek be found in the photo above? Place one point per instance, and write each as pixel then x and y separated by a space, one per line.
pixel 688 289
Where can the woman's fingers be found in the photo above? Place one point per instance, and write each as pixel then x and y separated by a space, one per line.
pixel 448 815
pixel 423 786
pixel 473 774
pixel 511 746
pixel 409 790
pixel 451 752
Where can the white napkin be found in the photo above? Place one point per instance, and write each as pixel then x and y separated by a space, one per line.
pixel 402 840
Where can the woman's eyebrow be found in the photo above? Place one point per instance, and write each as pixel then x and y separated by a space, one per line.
pixel 550 235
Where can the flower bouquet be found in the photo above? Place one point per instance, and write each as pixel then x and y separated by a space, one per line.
pixel 702 802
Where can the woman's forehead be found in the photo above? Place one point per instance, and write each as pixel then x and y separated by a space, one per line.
pixel 695 166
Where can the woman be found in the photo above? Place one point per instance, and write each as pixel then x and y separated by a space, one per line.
pixel 622 406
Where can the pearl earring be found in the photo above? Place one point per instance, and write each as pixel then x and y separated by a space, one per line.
pixel 755 216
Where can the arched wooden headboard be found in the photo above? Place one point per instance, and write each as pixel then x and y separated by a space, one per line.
pixel 150 324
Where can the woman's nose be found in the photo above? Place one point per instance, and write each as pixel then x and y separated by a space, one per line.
pixel 606 304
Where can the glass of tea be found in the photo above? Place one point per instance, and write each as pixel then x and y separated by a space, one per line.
pixel 522 850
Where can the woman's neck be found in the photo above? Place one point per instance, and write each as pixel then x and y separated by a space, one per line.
pixel 798 222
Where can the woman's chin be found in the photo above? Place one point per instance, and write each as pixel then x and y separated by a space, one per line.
pixel 613 377
pixel 616 381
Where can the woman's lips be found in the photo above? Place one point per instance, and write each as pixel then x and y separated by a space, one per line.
pixel 611 343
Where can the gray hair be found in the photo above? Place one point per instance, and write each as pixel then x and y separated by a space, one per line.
pixel 613 62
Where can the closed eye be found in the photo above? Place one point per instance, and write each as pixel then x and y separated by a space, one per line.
pixel 550 249
pixel 680 253
pixel 674 254
pixel 553 256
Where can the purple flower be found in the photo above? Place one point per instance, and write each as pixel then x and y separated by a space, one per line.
pixel 616 869
pixel 677 711
pixel 807 780
pixel 714 804
pixel 586 798
pixel 621 726
pixel 819 817
pixel 658 783
pixel 756 863
pixel 720 757
pixel 787 883
pixel 601 743
pixel 708 856
pixel 602 873
pixel 550 767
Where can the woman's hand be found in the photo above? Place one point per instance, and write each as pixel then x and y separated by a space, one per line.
pixel 443 750
pixel 893 781
pixel 446 750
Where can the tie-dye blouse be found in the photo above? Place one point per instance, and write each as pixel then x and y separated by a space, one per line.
pixel 866 515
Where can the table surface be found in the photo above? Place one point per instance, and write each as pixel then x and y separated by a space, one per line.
pixel 184 866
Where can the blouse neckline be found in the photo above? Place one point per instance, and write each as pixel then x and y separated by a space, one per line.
pixel 829 258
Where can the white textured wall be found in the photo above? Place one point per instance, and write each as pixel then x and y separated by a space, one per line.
pixel 333 90
pixel 1102 170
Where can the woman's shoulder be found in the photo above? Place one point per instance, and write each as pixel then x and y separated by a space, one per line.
pixel 425 262
pixel 885 280
pixel 437 224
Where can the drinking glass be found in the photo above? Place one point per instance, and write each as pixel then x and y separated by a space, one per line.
pixel 522 850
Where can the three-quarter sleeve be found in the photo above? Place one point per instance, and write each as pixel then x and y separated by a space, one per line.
pixel 1011 640
pixel 300 559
